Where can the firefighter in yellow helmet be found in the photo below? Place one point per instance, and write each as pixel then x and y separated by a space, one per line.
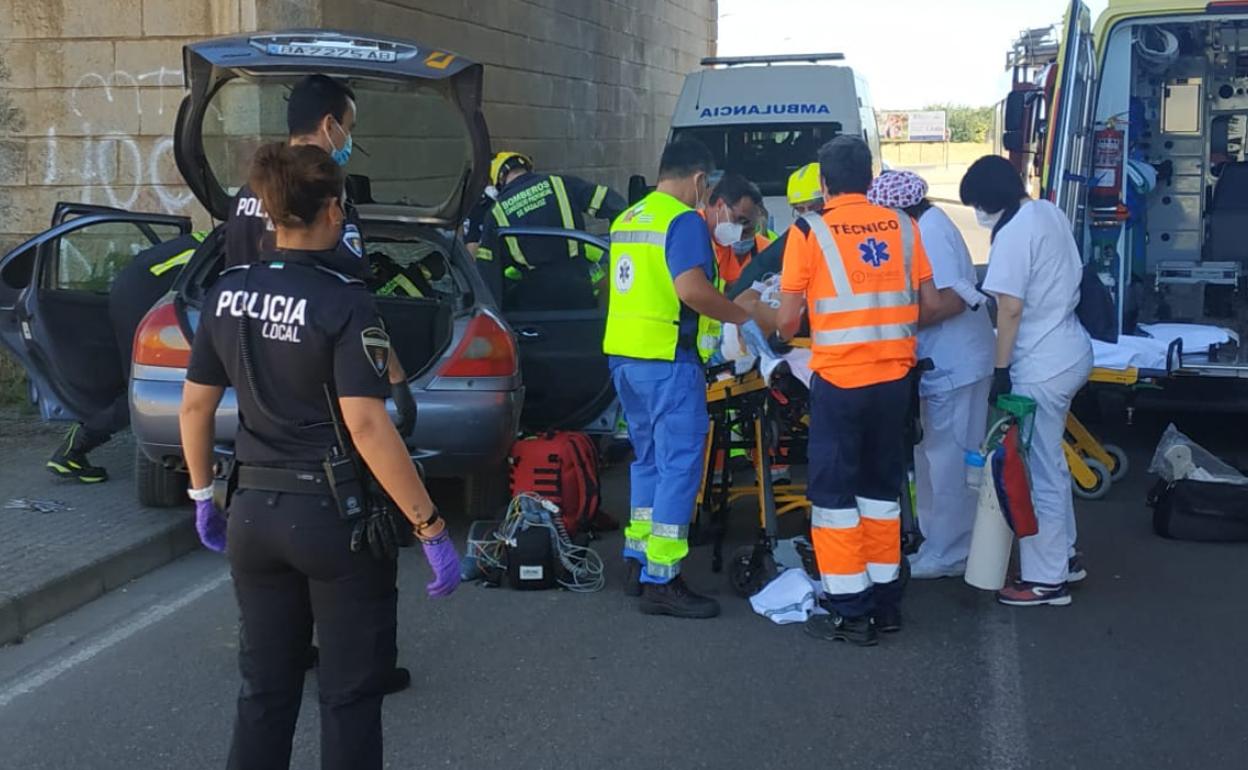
pixel 525 273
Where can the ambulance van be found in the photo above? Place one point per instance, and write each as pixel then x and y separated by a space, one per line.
pixel 1139 132
pixel 764 117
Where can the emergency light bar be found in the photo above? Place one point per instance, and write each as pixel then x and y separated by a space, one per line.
pixel 788 58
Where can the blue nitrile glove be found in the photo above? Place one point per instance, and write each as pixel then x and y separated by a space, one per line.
pixel 210 525
pixel 755 339
pixel 442 557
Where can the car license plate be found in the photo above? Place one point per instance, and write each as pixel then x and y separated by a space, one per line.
pixel 331 52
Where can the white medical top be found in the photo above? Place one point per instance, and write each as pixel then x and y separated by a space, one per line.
pixel 961 348
pixel 1034 258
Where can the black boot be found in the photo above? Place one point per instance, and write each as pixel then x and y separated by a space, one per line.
pixel 677 600
pixel 398 680
pixel 69 461
pixel 836 628
pixel 887 619
pixel 632 577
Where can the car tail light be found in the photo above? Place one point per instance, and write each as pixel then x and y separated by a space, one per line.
pixel 159 340
pixel 487 350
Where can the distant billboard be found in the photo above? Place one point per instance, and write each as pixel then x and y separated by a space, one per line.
pixel 927 126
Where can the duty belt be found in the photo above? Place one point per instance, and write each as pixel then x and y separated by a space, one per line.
pixel 289 480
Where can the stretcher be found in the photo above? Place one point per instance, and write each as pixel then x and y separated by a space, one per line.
pixel 1095 466
pixel 767 417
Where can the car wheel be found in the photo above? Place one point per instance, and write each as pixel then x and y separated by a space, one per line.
pixel 156 486
pixel 486 494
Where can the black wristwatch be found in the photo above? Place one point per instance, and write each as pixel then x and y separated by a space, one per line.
pixel 429 522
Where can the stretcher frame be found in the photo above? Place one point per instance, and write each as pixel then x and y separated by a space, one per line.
pixel 746 402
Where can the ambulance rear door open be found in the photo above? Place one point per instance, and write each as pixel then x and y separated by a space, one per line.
pixel 1171 102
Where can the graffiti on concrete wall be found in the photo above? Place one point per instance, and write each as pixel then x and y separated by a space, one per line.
pixel 114 161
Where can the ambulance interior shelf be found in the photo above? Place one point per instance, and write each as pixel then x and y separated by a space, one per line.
pixel 1167 179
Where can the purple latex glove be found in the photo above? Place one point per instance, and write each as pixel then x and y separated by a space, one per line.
pixel 210 525
pixel 445 563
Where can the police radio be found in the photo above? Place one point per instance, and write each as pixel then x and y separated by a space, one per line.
pixel 342 472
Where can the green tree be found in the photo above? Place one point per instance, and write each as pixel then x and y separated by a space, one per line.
pixel 966 124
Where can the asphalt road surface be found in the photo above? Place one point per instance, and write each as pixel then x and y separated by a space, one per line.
pixel 1144 670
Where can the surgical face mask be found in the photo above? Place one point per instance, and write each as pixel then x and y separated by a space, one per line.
pixel 986 220
pixel 341 155
pixel 728 233
pixel 743 247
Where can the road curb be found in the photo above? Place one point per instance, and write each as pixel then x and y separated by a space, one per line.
pixel 22 613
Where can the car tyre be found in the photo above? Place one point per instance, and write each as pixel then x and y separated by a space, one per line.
pixel 486 494
pixel 156 486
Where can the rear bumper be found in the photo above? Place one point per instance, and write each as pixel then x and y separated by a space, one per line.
pixel 458 432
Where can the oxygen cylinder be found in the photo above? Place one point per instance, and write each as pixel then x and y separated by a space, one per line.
pixel 991 541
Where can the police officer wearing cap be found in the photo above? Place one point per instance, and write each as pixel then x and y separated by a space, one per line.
pixel 309 546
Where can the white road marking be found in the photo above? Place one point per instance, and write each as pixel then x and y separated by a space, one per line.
pixel 1004 730
pixel 149 617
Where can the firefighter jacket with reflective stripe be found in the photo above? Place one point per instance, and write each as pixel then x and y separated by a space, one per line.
pixel 544 200
pixel 643 315
pixel 860 267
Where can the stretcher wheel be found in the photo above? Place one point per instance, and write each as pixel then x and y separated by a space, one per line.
pixel 750 570
pixel 1118 469
pixel 1099 488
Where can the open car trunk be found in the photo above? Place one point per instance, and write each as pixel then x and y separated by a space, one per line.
pixel 420 327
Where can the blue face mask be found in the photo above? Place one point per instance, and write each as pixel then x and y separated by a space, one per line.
pixel 341 156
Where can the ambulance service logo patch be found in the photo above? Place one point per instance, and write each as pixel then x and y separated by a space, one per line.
pixel 352 240
pixel 874 253
pixel 376 348
pixel 624 274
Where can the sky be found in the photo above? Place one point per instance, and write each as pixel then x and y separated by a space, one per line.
pixel 912 52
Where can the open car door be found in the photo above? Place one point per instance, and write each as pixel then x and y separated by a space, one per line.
pixel 567 383
pixel 54 303
pixel 1068 156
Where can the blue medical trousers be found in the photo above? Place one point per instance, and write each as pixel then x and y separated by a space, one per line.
pixel 665 405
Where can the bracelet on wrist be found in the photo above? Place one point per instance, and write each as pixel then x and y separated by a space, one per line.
pixel 433 519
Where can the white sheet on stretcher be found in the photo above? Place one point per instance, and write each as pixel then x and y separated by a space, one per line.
pixel 743 360
pixel 1149 352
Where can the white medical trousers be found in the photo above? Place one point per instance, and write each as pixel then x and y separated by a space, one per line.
pixel 1045 555
pixel 954 422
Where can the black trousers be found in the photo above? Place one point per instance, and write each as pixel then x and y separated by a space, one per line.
pixel 292 568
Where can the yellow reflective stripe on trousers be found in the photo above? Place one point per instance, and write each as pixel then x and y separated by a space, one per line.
pixel 862 334
pixel 512 244
pixel 595 203
pixel 846 584
pixel 833 518
pixel 565 212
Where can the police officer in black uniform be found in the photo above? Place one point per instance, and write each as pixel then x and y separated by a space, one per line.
pixel 138 286
pixel 320 112
pixel 306 352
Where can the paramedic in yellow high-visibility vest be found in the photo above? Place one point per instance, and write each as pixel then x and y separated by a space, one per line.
pixel 663 322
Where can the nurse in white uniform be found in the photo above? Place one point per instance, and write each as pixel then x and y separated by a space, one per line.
pixel 954 393
pixel 1042 352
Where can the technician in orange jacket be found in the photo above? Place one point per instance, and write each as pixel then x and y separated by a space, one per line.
pixel 862 274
